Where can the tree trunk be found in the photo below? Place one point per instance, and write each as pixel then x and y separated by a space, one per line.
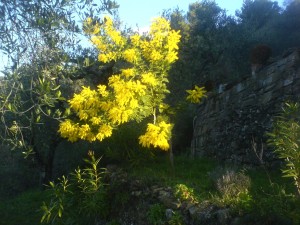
pixel 48 166
pixel 45 163
pixel 171 158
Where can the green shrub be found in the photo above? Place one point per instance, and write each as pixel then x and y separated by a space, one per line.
pixel 233 187
pixel 78 200
pixel 285 137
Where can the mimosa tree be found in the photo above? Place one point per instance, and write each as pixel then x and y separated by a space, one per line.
pixel 135 92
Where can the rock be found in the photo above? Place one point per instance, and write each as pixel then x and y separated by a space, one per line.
pixel 170 202
pixel 237 221
pixel 192 210
pixel 155 189
pixel 169 213
pixel 223 216
pixel 164 194
pixel 136 193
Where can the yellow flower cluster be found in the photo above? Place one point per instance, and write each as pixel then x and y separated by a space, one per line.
pixel 87 102
pixel 164 43
pixel 106 38
pixel 128 72
pixel 68 129
pixel 102 90
pixel 196 94
pixel 73 131
pixel 90 26
pixel 133 94
pixel 157 135
pixel 92 124
pixel 149 79
pixel 130 55
pixel 114 35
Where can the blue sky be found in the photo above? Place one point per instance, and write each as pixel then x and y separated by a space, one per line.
pixel 139 12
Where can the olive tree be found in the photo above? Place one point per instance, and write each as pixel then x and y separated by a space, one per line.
pixel 40 39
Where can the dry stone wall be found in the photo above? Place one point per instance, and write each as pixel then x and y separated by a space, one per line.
pixel 231 124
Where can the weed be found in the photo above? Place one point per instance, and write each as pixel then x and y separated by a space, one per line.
pixel 82 198
pixel 185 193
pixel 233 187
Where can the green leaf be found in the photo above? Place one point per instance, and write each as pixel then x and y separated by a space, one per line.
pixel 51 184
pixel 59 212
pixel 56 88
pixel 58 94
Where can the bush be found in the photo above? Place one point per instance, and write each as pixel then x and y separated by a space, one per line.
pixel 233 187
pixel 78 200
pixel 233 183
pixel 285 137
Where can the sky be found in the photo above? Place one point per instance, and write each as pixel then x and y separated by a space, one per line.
pixel 138 12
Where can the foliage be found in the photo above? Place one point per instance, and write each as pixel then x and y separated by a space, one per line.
pixel 82 198
pixel 30 108
pixel 137 92
pixel 28 27
pixel 234 188
pixel 256 14
pixel 16 174
pixel 215 47
pixel 289 23
pixel 285 138
pixel 275 200
pixel 185 193
pixel 156 214
pixel 206 31
pixel 196 94
pixel 39 39
pixel 231 183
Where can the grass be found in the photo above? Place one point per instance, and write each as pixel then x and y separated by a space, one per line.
pixel 268 197
pixel 270 193
pixel 22 209
pixel 192 173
